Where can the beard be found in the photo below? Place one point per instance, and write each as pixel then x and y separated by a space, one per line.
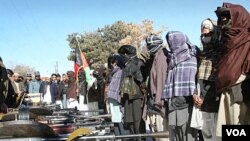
pixel 47 82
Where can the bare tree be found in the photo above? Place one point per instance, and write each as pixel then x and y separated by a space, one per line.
pixel 23 69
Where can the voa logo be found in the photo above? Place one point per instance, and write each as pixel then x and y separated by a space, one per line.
pixel 236 132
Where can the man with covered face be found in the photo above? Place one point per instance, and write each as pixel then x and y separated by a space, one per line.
pixel 232 76
pixel 207 99
pixel 154 74
pixel 180 85
pixel 131 94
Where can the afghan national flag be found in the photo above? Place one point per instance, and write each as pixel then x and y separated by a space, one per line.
pixel 81 62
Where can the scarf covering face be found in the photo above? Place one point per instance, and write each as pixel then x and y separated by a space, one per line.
pixel 236 58
pixel 182 66
pixel 180 47
pixel 154 43
pixel 210 53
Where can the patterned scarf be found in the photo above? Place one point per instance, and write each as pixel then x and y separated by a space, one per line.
pixel 182 66
pixel 114 85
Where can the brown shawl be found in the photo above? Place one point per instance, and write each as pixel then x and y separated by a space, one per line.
pixel 4 82
pixel 72 85
pixel 236 59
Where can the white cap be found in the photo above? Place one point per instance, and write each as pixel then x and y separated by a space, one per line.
pixel 207 24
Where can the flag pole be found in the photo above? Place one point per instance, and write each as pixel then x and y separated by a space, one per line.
pixel 80 52
pixel 79 68
pixel 77 80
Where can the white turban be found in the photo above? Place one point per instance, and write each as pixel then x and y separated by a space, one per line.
pixel 207 24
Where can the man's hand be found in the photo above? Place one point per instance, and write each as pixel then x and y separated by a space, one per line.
pixel 198 101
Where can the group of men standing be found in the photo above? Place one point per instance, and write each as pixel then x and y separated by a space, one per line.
pixel 157 87
pixel 165 83
pixel 36 90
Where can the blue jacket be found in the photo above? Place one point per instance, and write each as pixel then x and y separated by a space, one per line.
pixel 53 90
pixel 34 86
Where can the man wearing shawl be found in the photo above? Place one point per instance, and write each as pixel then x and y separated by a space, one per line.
pixel 180 85
pixel 234 65
pixel 115 63
pixel 130 88
pixel 4 82
pixel 154 73
pixel 207 100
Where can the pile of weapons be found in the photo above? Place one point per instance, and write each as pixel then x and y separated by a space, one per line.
pixel 53 123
